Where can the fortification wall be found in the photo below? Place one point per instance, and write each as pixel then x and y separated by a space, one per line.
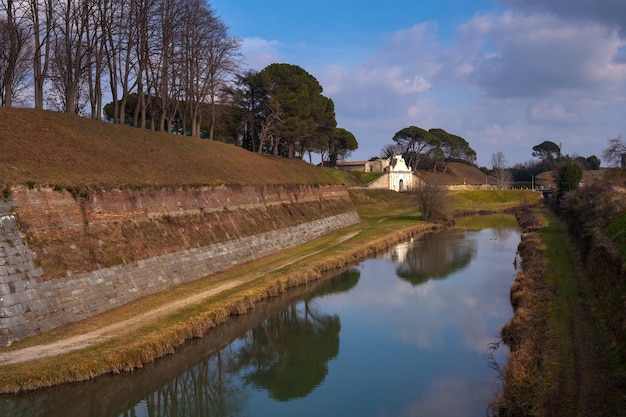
pixel 68 254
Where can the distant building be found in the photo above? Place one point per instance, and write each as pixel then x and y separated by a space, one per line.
pixel 375 165
pixel 396 176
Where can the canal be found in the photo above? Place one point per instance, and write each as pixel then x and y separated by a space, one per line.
pixel 408 333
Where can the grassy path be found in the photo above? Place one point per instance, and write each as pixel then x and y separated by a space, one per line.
pixel 83 340
pixel 561 362
pixel 580 370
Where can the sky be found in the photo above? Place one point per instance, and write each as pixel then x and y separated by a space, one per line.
pixel 505 75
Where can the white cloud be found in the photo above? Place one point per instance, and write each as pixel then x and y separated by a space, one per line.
pixel 507 82
pixel 551 112
pixel 610 13
pixel 260 53
pixel 538 55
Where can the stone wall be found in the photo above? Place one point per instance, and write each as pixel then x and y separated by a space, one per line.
pixel 68 254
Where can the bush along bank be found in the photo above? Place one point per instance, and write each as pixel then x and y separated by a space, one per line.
pixel 566 336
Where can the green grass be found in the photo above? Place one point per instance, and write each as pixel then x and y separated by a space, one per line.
pixel 367 177
pixel 577 350
pixel 487 199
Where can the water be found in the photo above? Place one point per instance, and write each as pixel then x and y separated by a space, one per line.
pixel 405 334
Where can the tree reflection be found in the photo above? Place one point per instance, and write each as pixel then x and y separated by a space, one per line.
pixel 288 354
pixel 208 389
pixel 435 256
pixel 342 283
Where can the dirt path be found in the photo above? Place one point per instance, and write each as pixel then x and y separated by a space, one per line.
pixel 100 335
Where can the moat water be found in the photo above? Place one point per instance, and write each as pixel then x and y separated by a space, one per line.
pixel 408 333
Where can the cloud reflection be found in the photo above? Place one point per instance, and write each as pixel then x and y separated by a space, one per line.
pixel 459 301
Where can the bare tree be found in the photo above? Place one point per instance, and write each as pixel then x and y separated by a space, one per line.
pixel 224 60
pixel 500 171
pixel 39 13
pixel 96 41
pixel 196 34
pixel 165 66
pixel 167 51
pixel 121 41
pixel 433 201
pixel 270 126
pixel 72 53
pixel 14 50
pixel 614 153
pixel 390 150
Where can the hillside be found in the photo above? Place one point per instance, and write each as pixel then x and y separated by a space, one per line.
pixel 456 174
pixel 50 148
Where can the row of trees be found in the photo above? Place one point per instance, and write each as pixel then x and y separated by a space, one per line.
pixel 419 146
pixel 175 54
pixel 279 111
pixel 549 157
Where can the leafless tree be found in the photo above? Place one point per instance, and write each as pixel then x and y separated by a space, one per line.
pixel 15 48
pixel 121 47
pixel 433 201
pixel 96 40
pixel 390 150
pixel 168 52
pixel 196 32
pixel 269 127
pixel 164 65
pixel 224 60
pixel 72 53
pixel 614 153
pixel 40 15
pixel 500 171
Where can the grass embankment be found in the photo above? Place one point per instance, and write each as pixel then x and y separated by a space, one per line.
pixel 561 361
pixel 387 217
pixel 43 148
pixel 492 199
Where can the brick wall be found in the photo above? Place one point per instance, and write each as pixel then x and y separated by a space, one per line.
pixel 66 256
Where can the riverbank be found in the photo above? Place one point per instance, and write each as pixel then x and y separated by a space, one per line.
pixel 135 334
pixel 562 361
pixel 112 343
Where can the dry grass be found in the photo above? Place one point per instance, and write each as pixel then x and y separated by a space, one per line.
pixel 456 174
pixel 560 362
pixel 49 148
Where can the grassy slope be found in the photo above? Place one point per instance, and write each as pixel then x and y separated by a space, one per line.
pixel 457 173
pixel 48 148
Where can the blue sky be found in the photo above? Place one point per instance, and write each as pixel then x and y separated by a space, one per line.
pixel 504 74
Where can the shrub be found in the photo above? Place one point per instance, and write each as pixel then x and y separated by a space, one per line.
pixel 6 192
pixel 568 176
pixel 433 201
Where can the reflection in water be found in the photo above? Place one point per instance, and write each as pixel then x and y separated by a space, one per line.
pixel 288 353
pixel 432 257
pixel 205 390
pixel 366 343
